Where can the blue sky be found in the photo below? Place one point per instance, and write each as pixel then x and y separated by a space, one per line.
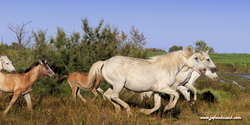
pixel 222 24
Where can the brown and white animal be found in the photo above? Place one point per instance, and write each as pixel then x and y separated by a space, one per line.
pixel 81 78
pixel 22 83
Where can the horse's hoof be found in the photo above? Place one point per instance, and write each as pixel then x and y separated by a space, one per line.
pixel 145 111
pixel 165 109
pixel 129 113
pixel 142 110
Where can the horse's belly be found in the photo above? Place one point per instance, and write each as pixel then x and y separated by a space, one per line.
pixel 6 89
pixel 140 86
pixel 7 86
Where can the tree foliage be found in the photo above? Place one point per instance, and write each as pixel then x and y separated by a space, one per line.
pixel 175 48
pixel 66 53
pixel 202 46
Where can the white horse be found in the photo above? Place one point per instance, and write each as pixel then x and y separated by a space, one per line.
pixel 6 64
pixel 187 76
pixel 139 75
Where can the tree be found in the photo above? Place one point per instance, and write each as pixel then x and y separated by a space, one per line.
pixel 202 46
pixel 20 35
pixel 175 48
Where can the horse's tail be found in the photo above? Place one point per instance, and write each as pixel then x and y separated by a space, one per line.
pixel 59 81
pixel 95 73
pixel 94 77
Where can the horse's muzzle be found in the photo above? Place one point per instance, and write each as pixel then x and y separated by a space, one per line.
pixel 216 78
pixel 13 71
pixel 214 69
pixel 203 71
pixel 53 76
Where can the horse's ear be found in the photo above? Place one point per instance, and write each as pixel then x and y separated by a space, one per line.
pixel 45 61
pixel 188 52
pixel 207 51
pixel 41 63
pixel 202 53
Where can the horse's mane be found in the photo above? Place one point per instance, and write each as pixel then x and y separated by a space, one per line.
pixel 173 60
pixel 201 56
pixel 5 57
pixel 32 66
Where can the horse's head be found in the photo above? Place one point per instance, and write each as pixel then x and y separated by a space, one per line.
pixel 208 63
pixel 6 64
pixel 192 61
pixel 211 75
pixel 46 69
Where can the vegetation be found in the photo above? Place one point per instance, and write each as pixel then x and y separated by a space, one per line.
pixel 62 110
pixel 202 46
pixel 68 53
pixel 175 48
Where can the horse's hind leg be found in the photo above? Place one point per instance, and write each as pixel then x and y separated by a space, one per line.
pixel 95 93
pixel 101 91
pixel 74 90
pixel 80 96
pixel 108 96
pixel 12 101
pixel 115 96
pixel 157 97
pixel 28 100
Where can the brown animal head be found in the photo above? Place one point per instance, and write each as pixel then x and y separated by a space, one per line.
pixel 46 69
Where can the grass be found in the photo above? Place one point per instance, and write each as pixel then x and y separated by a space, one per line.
pixel 229 100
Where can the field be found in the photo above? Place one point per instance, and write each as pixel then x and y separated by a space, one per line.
pixel 220 98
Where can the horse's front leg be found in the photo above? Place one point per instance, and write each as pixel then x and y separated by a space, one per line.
pixel 185 92
pixel 28 100
pixel 146 95
pixel 195 93
pixel 174 87
pixel 12 101
pixel 170 92
pixel 157 97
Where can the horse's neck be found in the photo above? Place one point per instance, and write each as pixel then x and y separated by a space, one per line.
pixel 179 69
pixel 33 74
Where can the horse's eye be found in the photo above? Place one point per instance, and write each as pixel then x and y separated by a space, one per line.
pixel 46 68
pixel 7 63
pixel 196 58
pixel 208 60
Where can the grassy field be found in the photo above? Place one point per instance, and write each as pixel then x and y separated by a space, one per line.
pixel 220 98
pixel 214 98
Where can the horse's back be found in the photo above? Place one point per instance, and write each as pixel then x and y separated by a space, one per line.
pixel 8 81
pixel 79 77
pixel 127 62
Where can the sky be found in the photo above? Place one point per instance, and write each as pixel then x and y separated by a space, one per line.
pixel 222 24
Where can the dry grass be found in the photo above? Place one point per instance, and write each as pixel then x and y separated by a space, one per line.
pixel 61 110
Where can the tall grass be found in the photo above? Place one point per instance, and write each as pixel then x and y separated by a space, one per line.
pixel 61 109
